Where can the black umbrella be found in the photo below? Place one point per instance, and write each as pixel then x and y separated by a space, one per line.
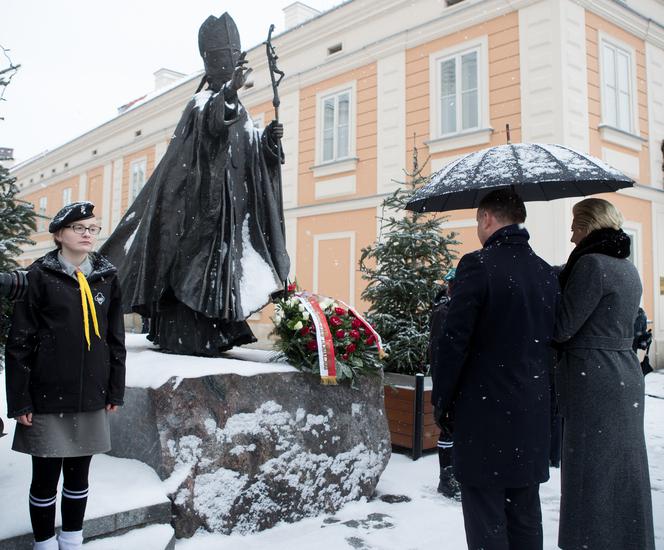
pixel 537 172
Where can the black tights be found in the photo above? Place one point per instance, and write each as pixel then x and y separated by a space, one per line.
pixel 43 490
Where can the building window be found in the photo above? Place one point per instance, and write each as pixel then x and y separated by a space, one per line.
pixel 336 126
pixel 66 196
pixel 43 203
pixel 633 234
pixel 617 87
pixel 259 121
pixel 459 98
pixel 335 49
pixel 138 169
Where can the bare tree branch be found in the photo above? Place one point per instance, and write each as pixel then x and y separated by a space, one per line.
pixel 9 71
pixel 10 68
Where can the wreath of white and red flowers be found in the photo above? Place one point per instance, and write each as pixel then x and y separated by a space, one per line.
pixel 326 336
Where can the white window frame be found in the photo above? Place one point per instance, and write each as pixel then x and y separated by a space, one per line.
pixel 481 46
pixel 635 232
pixel 621 47
pixel 133 192
pixel 43 205
pixel 259 121
pixel 351 89
pixel 66 196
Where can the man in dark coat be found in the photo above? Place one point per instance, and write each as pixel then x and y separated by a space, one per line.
pixel 202 247
pixel 493 373
pixel 447 484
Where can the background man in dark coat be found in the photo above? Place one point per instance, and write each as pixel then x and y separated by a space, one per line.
pixel 493 376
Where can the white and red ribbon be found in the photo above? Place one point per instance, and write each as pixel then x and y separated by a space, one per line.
pixel 324 340
pixel 326 357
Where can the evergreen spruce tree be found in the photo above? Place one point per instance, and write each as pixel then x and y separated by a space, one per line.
pixel 405 270
pixel 17 222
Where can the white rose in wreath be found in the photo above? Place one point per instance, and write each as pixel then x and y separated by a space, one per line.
pixel 298 325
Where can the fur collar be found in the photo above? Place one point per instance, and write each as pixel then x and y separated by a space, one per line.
pixel 611 242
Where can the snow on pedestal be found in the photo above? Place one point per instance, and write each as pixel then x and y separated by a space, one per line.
pixel 243 443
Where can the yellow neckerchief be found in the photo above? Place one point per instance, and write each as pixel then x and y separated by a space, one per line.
pixel 86 298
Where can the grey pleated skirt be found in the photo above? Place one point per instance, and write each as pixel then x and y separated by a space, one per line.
pixel 64 435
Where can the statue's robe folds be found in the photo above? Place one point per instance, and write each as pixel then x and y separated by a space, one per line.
pixel 202 246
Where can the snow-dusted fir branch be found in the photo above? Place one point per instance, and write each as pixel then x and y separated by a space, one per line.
pixel 404 269
pixel 17 222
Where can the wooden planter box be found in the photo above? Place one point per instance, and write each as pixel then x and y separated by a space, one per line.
pixel 400 411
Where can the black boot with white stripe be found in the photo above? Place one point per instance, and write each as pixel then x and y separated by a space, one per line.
pixel 447 484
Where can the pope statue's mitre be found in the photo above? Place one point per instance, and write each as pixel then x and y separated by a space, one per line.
pixel 218 33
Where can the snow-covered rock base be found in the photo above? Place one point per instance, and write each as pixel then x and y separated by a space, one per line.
pixel 240 453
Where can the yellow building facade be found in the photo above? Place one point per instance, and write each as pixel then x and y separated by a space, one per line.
pixel 370 80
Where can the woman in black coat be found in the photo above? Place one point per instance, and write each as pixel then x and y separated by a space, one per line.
pixel 65 358
pixel 605 494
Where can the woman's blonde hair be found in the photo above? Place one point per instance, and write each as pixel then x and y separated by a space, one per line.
pixel 592 214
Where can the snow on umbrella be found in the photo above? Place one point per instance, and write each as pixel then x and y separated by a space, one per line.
pixel 538 172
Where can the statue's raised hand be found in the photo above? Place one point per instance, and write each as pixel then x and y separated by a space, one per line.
pixel 240 73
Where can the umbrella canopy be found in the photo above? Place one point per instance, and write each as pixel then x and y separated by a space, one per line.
pixel 538 172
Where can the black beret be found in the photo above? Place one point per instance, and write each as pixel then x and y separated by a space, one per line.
pixel 71 213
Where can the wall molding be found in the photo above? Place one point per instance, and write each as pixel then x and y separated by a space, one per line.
pixel 337 187
pixel 351 235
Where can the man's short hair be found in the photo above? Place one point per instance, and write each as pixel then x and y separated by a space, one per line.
pixel 505 205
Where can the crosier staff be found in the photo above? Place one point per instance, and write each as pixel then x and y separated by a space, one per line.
pixel 276 76
pixel 274 70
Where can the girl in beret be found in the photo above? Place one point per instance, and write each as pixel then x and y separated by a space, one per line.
pixel 65 361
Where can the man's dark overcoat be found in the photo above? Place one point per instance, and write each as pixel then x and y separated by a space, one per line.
pixel 49 368
pixel 495 363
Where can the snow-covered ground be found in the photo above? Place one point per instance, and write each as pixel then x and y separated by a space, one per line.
pixel 428 520
pixel 422 520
